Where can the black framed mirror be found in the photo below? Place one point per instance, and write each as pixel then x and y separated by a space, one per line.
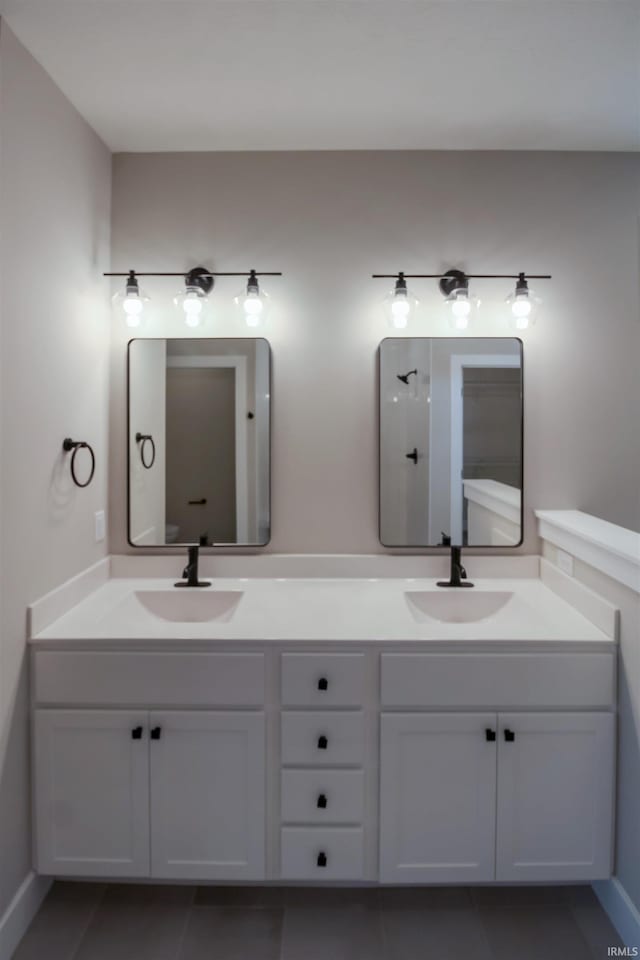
pixel 199 442
pixel 451 441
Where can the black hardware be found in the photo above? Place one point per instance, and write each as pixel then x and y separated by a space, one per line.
pixel 323 683
pixel 136 733
pixel 458 575
pixel 446 539
pixel 322 860
pixel 200 278
pixel 191 570
pixel 405 376
pixel 198 503
pixel 75 445
pixel 322 802
pixel 509 735
pixel 250 415
pixel 142 439
pixel 199 274
pixel 156 733
pixel 413 456
pixel 441 276
pixel 490 735
pixel 323 743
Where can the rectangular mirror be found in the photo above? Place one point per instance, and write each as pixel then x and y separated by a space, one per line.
pixel 199 442
pixel 451 441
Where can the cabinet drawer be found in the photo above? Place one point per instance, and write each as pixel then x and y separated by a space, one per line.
pixel 322 679
pixel 322 796
pixel 499 681
pixel 322 853
pixel 149 679
pixel 323 739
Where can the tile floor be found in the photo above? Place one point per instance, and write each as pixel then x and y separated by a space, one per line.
pixel 87 921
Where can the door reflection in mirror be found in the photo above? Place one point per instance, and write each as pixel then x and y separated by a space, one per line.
pixel 207 403
pixel 451 439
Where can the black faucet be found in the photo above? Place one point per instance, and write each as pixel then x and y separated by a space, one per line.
pixel 458 575
pixel 191 570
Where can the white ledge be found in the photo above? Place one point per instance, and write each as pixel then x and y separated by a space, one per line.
pixel 613 550
pixel 500 498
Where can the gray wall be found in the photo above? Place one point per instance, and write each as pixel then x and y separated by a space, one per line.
pixel 54 210
pixel 329 220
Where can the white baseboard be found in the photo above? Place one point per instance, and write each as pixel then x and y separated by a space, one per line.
pixel 624 915
pixel 20 913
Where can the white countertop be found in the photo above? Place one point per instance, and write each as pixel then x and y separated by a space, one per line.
pixel 324 610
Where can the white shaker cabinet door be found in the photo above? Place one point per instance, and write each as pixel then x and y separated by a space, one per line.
pixel 555 796
pixel 91 770
pixel 207 795
pixel 437 800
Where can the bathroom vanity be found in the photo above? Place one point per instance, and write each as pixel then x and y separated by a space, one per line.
pixel 350 730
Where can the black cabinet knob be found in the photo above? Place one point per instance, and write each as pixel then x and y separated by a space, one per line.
pixel 509 735
pixel 136 733
pixel 490 735
pixel 156 733
pixel 323 683
pixel 323 743
pixel 322 860
pixel 322 802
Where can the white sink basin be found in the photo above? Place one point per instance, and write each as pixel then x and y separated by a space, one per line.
pixel 455 605
pixel 190 606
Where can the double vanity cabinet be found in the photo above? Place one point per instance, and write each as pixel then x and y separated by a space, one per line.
pixel 353 761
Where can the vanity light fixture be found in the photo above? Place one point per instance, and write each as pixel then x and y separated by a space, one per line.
pixel 454 286
pixel 198 283
pixel 400 303
pixel 132 300
pixel 523 305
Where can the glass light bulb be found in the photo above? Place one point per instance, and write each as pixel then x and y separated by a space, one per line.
pixel 521 306
pixel 399 306
pixel 132 306
pixel 253 307
pixel 459 321
pixel 192 306
pixel 253 304
pixel 131 301
pixel 460 307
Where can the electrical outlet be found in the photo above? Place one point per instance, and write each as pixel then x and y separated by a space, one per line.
pixel 100 525
pixel 565 562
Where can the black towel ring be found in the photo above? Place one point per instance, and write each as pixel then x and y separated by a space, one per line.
pixel 76 445
pixel 142 438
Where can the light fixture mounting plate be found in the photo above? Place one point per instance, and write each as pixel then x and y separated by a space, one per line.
pixel 452 280
pixel 200 277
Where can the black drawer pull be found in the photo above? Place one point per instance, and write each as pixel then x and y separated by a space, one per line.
pixel 323 743
pixel 490 735
pixel 136 733
pixel 322 860
pixel 509 735
pixel 322 802
pixel 323 683
pixel 156 733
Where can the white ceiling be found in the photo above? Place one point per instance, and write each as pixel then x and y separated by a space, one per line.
pixel 344 74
